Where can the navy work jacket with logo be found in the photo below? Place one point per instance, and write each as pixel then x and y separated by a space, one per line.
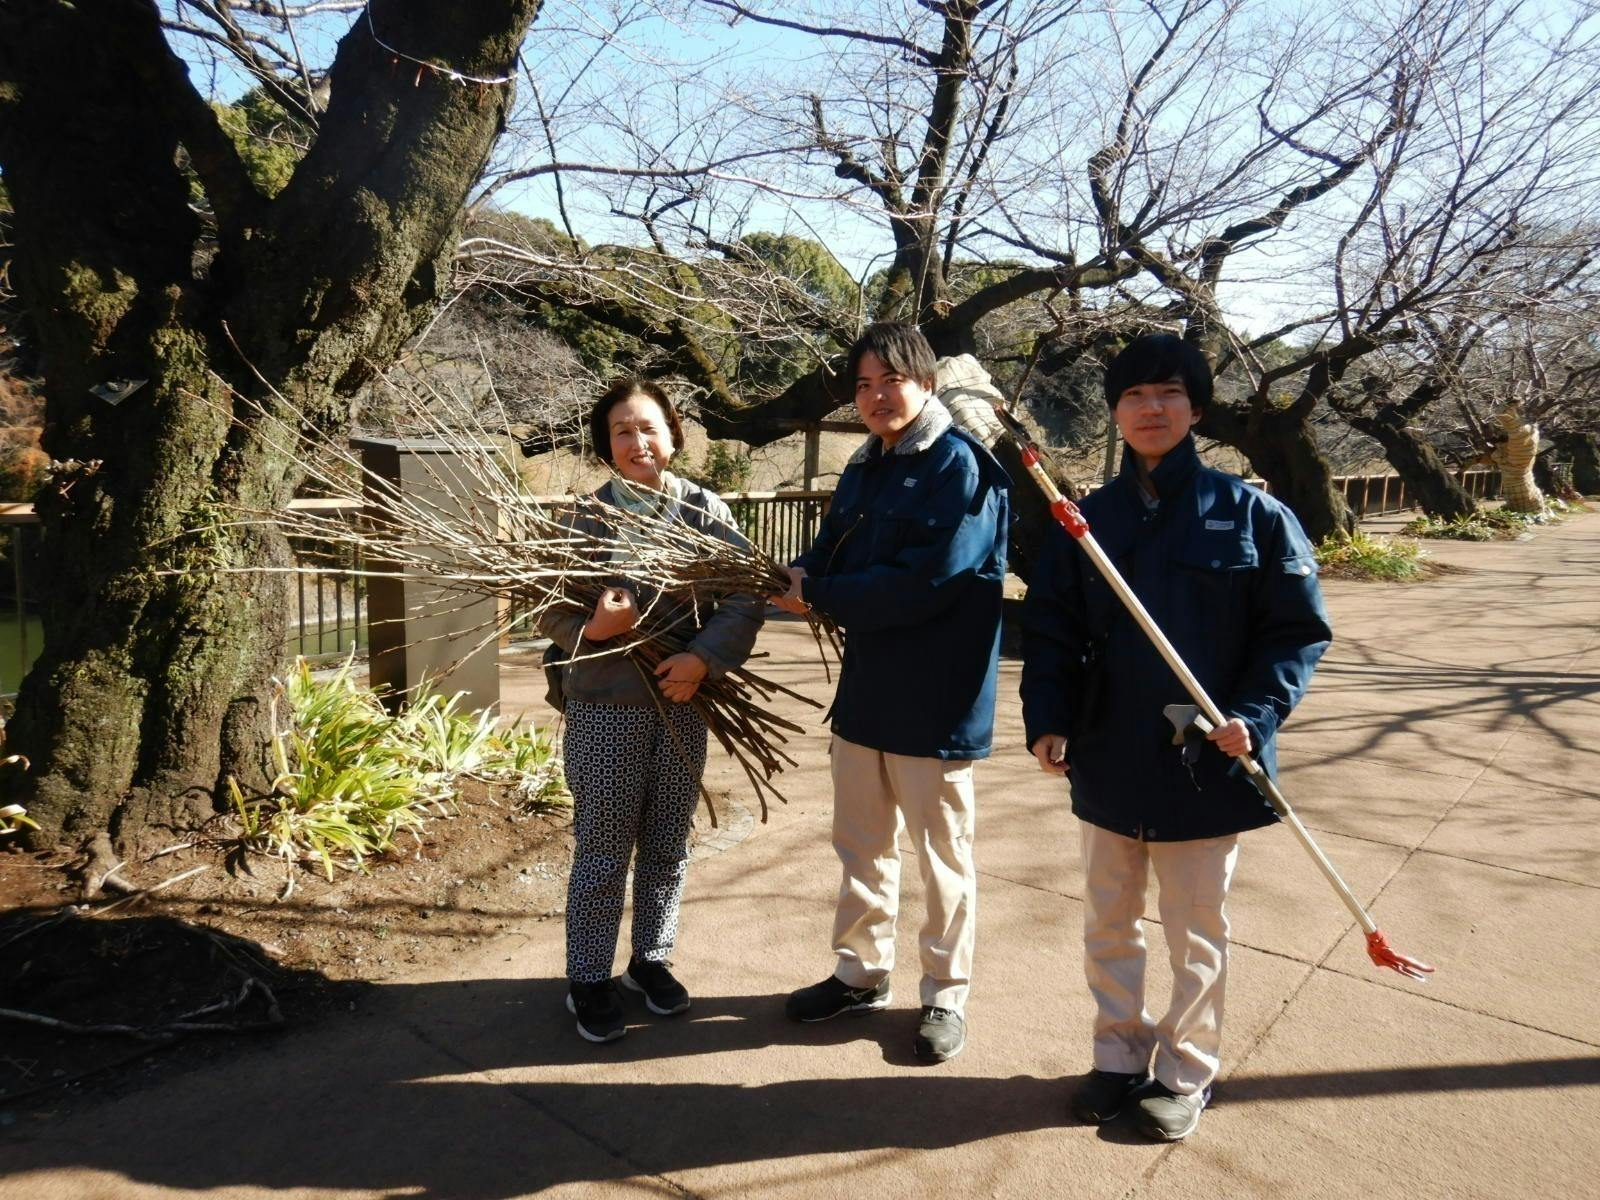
pixel 911 561
pixel 1228 575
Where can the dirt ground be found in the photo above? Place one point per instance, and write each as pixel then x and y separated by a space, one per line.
pixel 249 943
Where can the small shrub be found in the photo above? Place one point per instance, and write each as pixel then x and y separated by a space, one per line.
pixel 1484 525
pixel 1364 556
pixel 527 760
pixel 445 742
pixel 13 819
pixel 351 778
pixel 724 469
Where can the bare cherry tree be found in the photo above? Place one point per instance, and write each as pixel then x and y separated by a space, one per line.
pixel 169 327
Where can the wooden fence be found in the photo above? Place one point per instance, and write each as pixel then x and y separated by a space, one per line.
pixel 328 617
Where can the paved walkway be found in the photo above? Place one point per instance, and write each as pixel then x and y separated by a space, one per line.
pixel 1447 758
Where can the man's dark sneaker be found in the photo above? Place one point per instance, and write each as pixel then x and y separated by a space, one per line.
pixel 1165 1116
pixel 833 996
pixel 598 1009
pixel 1101 1094
pixel 941 1035
pixel 663 995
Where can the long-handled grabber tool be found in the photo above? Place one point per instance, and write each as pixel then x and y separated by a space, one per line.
pixel 1070 519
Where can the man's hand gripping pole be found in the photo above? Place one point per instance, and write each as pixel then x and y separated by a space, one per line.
pixel 1068 516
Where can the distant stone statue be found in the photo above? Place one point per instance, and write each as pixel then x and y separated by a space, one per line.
pixel 1515 456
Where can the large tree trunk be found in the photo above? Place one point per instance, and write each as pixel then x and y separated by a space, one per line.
pixel 152 687
pixel 1283 450
pixel 810 398
pixel 1582 450
pixel 1427 476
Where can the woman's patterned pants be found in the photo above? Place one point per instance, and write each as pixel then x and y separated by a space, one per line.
pixel 634 786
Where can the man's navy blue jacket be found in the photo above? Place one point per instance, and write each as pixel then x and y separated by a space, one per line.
pixel 910 562
pixel 1228 575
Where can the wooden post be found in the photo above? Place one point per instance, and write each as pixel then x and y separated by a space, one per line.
pixel 813 455
pixel 418 631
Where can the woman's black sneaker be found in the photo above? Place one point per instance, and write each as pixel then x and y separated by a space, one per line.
pixel 598 1009
pixel 663 995
pixel 1101 1094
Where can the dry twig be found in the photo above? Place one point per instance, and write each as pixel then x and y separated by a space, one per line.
pixel 477 532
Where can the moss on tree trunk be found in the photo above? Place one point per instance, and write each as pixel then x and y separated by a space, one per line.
pixel 154 681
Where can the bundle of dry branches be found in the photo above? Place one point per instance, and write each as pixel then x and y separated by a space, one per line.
pixel 477 532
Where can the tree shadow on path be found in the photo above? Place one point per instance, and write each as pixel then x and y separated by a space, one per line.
pixel 481 1090
pixel 394 1099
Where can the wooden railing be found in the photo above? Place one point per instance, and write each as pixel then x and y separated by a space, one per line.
pixel 328 617
pixel 1380 495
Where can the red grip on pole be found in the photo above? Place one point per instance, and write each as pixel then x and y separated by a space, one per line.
pixel 1069 518
pixel 1063 510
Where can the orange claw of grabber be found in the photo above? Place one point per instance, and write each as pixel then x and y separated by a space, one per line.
pixel 1383 955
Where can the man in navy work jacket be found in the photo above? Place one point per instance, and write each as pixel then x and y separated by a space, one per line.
pixel 1228 575
pixel 910 562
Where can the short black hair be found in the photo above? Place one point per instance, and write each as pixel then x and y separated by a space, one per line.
pixel 1156 358
pixel 619 393
pixel 899 346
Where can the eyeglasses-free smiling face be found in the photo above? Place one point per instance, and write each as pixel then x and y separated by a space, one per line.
pixel 1155 417
pixel 641 441
pixel 887 400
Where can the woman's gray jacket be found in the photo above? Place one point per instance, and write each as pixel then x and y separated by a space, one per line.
pixel 724 641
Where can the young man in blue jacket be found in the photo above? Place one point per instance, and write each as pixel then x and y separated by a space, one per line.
pixel 910 562
pixel 1228 575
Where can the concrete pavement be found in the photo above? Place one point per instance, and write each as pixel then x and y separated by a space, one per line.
pixel 1447 759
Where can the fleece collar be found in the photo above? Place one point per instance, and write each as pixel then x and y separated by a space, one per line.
pixel 931 422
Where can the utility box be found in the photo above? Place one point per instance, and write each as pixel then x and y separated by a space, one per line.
pixel 418 630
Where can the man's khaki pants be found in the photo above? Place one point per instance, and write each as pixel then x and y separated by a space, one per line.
pixel 873 794
pixel 1193 879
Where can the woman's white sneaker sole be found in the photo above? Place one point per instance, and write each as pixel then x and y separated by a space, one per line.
pixel 585 1034
pixel 632 984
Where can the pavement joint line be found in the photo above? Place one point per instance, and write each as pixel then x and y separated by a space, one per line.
pixel 1378 981
pixel 1353 837
pixel 1334 721
pixel 1254 1044
pixel 1302 757
pixel 578 1131
pixel 1521 723
pixel 1023 883
pixel 1558 790
pixel 1156 921
pixel 1578 883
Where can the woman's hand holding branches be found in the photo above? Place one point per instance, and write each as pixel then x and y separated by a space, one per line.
pixel 680 676
pixel 616 611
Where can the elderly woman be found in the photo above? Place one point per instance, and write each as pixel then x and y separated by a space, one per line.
pixel 635 747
